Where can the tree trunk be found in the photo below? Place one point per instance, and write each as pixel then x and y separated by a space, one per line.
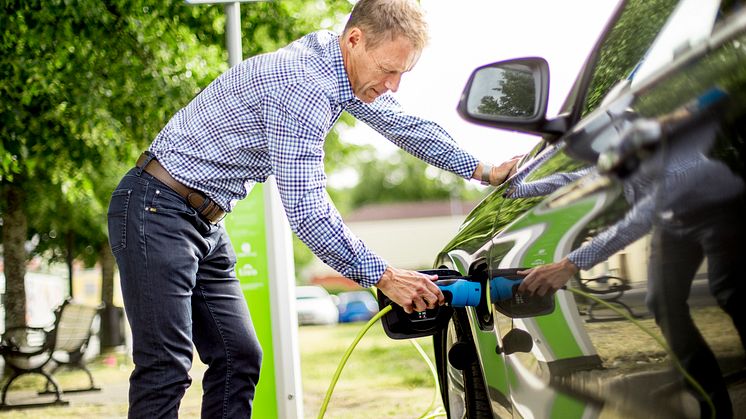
pixel 112 321
pixel 107 274
pixel 14 255
pixel 69 258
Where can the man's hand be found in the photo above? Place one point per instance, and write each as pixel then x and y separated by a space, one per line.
pixel 412 290
pixel 505 170
pixel 500 173
pixel 547 278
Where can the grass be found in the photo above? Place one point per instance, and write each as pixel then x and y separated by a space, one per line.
pixel 383 378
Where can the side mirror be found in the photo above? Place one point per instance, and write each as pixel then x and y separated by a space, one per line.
pixel 509 94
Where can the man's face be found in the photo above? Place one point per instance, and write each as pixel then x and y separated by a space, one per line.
pixel 375 71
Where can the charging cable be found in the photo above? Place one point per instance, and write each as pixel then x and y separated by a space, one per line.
pixel 429 413
pixel 346 356
pixel 674 359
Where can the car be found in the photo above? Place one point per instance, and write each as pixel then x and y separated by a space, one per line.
pixel 356 306
pixel 649 137
pixel 315 306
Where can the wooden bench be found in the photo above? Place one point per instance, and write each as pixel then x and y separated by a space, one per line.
pixel 31 350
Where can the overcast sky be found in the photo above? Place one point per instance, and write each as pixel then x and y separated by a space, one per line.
pixel 465 34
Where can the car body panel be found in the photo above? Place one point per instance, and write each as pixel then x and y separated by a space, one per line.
pixel 356 306
pixel 315 306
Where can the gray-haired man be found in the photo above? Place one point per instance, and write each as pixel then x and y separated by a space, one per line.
pixel 268 115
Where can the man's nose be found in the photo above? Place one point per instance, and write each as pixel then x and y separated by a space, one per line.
pixel 392 83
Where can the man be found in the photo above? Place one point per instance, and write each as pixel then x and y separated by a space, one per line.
pixel 268 115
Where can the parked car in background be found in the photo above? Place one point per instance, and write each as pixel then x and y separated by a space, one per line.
pixel 356 306
pixel 651 134
pixel 315 306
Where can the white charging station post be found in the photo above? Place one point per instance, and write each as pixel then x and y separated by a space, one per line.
pixel 261 238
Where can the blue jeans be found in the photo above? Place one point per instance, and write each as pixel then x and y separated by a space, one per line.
pixel 180 292
pixel 677 250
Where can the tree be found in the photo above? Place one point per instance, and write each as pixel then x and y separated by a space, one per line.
pixel 404 178
pixel 85 88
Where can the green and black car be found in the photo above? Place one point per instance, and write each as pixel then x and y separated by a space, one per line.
pixel 645 156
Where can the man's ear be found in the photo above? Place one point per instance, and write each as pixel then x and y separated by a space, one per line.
pixel 354 37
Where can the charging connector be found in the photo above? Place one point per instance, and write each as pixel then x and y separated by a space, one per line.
pixel 460 292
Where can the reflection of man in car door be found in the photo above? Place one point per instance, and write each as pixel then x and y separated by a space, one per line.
pixel 693 204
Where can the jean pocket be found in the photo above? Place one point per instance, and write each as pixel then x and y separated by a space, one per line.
pixel 117 217
pixel 166 200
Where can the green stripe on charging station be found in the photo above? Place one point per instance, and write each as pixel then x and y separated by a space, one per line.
pixel 246 227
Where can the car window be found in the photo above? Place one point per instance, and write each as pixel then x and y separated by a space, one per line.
pixel 690 24
pixel 624 46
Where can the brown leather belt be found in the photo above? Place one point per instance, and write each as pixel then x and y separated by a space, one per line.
pixel 196 199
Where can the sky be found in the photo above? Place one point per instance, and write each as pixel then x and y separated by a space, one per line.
pixel 466 34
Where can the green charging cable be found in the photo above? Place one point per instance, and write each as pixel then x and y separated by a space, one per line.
pixel 660 342
pixel 436 393
pixel 352 346
pixel 346 356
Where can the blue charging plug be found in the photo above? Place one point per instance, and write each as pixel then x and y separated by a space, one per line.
pixel 460 292
pixel 502 288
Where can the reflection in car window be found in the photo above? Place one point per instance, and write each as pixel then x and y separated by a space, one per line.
pixel 690 24
pixel 510 92
pixel 625 46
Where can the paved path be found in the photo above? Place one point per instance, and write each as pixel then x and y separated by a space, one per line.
pixel 108 403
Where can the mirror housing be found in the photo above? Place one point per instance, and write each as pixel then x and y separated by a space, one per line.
pixel 511 95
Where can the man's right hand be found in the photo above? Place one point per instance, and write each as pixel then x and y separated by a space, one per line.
pixel 412 290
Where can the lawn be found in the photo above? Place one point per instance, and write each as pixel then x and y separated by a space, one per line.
pixel 383 377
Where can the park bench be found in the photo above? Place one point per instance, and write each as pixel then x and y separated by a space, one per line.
pixel 32 350
pixel 608 288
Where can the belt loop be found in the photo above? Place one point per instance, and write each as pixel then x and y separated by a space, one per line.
pixel 148 157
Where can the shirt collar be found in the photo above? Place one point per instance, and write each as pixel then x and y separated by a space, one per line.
pixel 344 91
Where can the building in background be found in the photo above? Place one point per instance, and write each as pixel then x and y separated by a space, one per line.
pixel 405 234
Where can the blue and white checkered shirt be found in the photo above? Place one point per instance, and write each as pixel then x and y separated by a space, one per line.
pixel 269 115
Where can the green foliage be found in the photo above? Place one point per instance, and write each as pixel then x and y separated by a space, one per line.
pixel 87 86
pixel 402 178
pixel 516 92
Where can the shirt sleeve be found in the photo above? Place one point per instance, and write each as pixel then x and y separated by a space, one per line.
pixel 419 137
pixel 546 185
pixel 296 122
pixel 637 222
